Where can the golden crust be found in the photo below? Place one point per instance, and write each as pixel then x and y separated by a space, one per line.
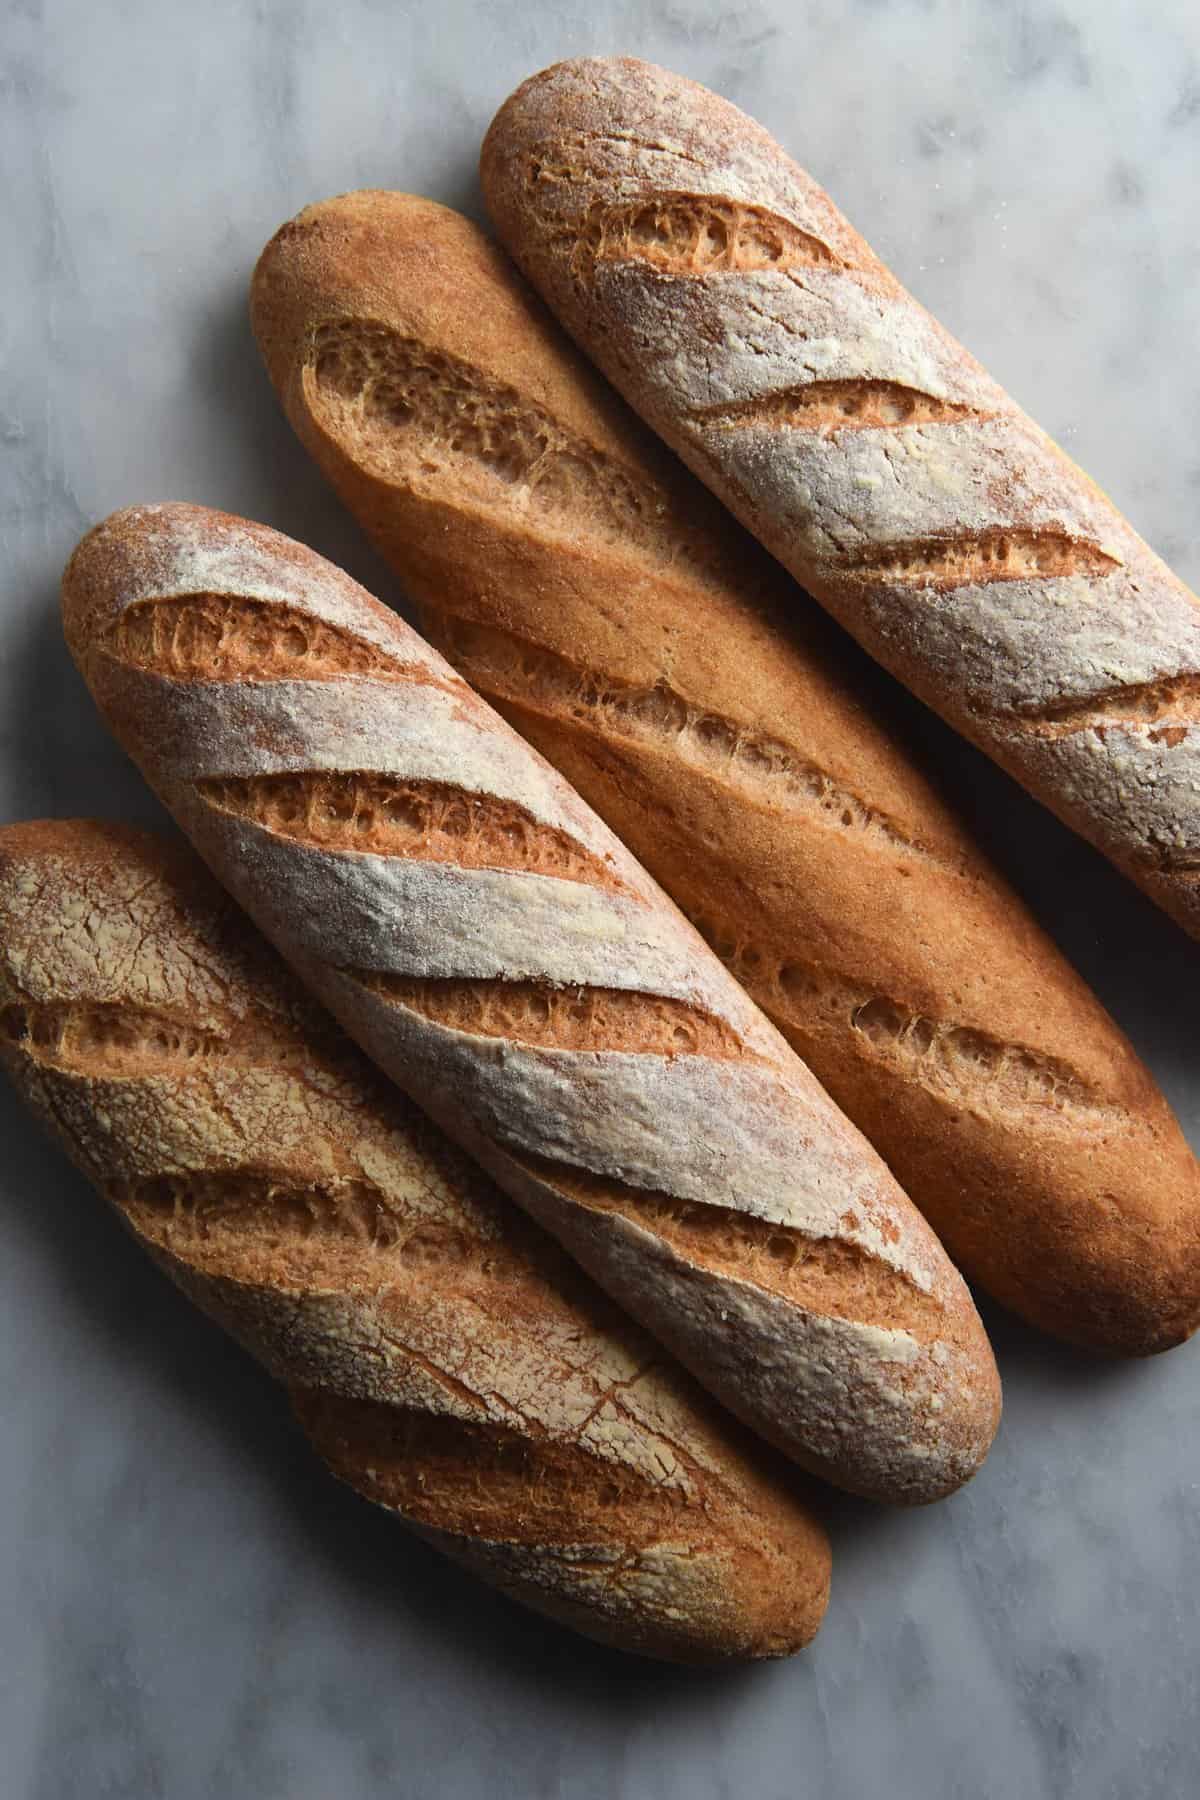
pixel 610 609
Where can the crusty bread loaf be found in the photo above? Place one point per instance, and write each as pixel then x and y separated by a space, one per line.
pixel 497 950
pixel 616 615
pixel 445 1357
pixel 726 296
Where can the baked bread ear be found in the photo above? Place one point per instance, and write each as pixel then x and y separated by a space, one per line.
pixel 601 600
pixel 444 1356
pixel 725 295
pixel 499 953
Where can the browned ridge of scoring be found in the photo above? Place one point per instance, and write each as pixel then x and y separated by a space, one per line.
pixel 696 234
pixel 980 558
pixel 233 637
pixel 411 401
pixel 394 815
pixel 241 1221
pixel 832 1277
pixel 854 404
pixel 596 1019
pixel 770 770
pixel 99 1038
pixel 1170 701
pixel 206 1208
pixel 984 1072
pixel 426 1467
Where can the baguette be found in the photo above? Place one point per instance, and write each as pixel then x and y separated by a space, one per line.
pixel 731 303
pixel 444 1357
pixel 499 953
pixel 614 614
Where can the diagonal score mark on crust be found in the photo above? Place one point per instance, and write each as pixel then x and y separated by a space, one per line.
pixel 977 560
pixel 233 637
pixel 968 1068
pixel 856 404
pixel 418 412
pixel 566 156
pixel 107 1039
pixel 1169 704
pixel 765 768
pixel 973 1059
pixel 237 1215
pixel 484 1479
pixel 591 1019
pixel 391 815
pixel 699 234
pixel 828 1276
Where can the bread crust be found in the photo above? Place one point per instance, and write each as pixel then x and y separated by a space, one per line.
pixel 730 301
pixel 610 609
pixel 424 870
pixel 445 1357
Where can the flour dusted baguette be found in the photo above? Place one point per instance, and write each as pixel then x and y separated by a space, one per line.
pixel 615 614
pixel 722 291
pixel 445 1358
pixel 498 951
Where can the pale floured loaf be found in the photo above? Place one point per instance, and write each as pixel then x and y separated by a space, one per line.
pixel 615 614
pixel 499 952
pixel 726 296
pixel 445 1357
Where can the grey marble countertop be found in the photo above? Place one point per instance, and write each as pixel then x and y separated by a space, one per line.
pixel 188 1607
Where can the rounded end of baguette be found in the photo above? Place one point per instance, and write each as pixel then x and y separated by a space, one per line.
pixel 139 548
pixel 352 236
pixel 564 94
pixel 738 1572
pixel 882 1384
pixel 1132 1288
pixel 924 1414
pixel 1087 1225
pixel 383 318
pixel 630 118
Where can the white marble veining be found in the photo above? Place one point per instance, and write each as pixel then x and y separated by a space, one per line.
pixel 188 1607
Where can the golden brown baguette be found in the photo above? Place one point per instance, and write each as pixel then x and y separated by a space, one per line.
pixel 730 301
pixel 444 1356
pixel 611 610
pixel 500 954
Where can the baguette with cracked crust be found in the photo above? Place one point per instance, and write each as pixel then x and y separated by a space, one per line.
pixel 499 953
pixel 722 291
pixel 443 1355
pixel 602 601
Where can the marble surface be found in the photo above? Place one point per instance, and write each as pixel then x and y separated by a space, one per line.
pixel 188 1607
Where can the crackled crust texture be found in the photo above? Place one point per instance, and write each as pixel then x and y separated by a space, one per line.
pixel 445 1357
pixel 610 609
pixel 390 832
pixel 729 300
